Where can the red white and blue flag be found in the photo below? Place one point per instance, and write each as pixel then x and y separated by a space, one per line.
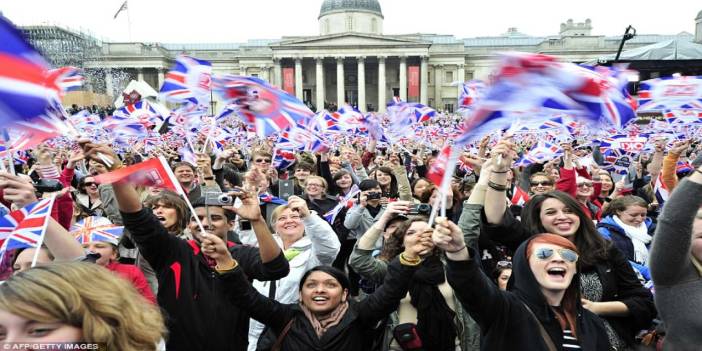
pixel 26 88
pixel 265 108
pixel 67 78
pixel 677 92
pixel 26 227
pixel 661 190
pixel 96 228
pixel 471 92
pixel 189 80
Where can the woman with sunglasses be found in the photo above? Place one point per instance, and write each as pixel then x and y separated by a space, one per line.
pixel 541 311
pixel 609 286
pixel 88 197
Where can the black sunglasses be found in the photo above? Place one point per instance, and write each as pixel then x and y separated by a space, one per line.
pixel 89 183
pixel 546 183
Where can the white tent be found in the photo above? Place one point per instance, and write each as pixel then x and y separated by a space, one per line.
pixel 141 87
pixel 674 49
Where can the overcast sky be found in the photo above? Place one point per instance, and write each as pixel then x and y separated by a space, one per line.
pixel 240 20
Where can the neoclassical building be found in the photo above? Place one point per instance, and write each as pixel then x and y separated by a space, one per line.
pixel 351 60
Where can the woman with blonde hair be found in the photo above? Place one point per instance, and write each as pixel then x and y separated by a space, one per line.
pixel 77 302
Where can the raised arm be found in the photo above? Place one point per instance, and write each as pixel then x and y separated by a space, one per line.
pixel 670 260
pixel 494 176
pixel 325 243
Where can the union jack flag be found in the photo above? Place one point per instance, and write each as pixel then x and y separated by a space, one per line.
pixel 26 88
pixel 666 93
pixel 471 92
pixel 25 227
pixel 96 228
pixel 141 111
pixel 266 109
pixel 344 202
pixel 189 80
pixel 283 159
pixel 66 78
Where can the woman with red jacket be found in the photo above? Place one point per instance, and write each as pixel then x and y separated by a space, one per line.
pixel 578 183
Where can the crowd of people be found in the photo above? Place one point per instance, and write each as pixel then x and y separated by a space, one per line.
pixel 338 251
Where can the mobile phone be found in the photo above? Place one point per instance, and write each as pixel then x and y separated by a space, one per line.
pixel 286 189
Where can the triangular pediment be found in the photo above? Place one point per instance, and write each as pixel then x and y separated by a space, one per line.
pixel 349 39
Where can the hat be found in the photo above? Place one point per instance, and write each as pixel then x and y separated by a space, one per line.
pixel 96 228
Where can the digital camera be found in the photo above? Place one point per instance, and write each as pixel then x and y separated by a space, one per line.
pixel 373 196
pixel 219 199
pixel 419 209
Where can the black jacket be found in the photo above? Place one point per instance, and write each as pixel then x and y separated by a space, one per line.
pixel 504 321
pixel 619 281
pixel 198 314
pixel 355 331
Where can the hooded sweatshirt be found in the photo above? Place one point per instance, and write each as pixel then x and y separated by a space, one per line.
pixel 504 320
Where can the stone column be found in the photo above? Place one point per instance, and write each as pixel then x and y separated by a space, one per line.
pixel 381 84
pixel 298 78
pixel 277 72
pixel 264 73
pixel 319 76
pixel 109 84
pixel 140 74
pixel 403 78
pixel 340 81
pixel 438 82
pixel 161 77
pixel 461 77
pixel 423 80
pixel 361 83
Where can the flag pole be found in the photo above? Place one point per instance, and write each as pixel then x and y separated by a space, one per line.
pixel 445 184
pixel 43 232
pixel 129 22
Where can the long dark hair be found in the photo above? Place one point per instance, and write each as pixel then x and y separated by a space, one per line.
pixel 392 191
pixel 593 247
pixel 395 244
pixel 170 199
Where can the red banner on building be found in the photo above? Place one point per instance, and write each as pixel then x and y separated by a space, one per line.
pixel 289 80
pixel 413 82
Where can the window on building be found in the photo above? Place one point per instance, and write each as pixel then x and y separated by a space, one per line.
pixel 431 102
pixel 349 23
pixel 448 76
pixel 429 77
pixel 255 75
pixel 468 76
pixel 448 108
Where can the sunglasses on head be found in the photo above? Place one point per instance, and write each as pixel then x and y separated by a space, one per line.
pixel 545 253
pixel 504 264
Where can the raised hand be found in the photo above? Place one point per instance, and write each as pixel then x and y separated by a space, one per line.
pixel 447 236
pixel 215 248
pixel 17 190
pixel 249 209
pixel 297 204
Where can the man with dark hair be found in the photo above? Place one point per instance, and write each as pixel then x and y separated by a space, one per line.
pixel 187 175
pixel 200 315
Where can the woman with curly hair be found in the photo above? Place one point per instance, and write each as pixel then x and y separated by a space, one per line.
pixel 77 302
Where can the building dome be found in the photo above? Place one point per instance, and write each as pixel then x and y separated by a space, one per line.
pixel 699 15
pixel 334 6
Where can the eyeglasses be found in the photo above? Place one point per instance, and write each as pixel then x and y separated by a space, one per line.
pixel 584 185
pixel 504 264
pixel 262 160
pixel 545 253
pixel 544 183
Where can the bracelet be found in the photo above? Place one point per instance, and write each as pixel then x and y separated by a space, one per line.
pixel 227 269
pixel 496 187
pixel 455 251
pixel 409 262
pixel 500 172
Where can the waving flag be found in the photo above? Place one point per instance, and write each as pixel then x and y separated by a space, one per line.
pixel 26 89
pixel 66 78
pixel 96 228
pixel 25 227
pixel 189 80
pixel 283 159
pixel 520 197
pixel 141 112
pixel 439 167
pixel 661 190
pixel 678 92
pixel 153 172
pixel 331 215
pixel 264 108
pixel 683 116
pixel 471 92
pixel 524 82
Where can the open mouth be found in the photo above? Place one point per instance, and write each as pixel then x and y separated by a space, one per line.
pixel 320 299
pixel 557 272
pixel 563 226
pixel 161 219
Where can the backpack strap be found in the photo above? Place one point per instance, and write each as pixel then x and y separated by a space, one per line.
pixel 544 334
pixel 281 336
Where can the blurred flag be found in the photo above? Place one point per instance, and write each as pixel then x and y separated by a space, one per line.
pixel 678 92
pixel 439 167
pixel 153 172
pixel 66 78
pixel 189 80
